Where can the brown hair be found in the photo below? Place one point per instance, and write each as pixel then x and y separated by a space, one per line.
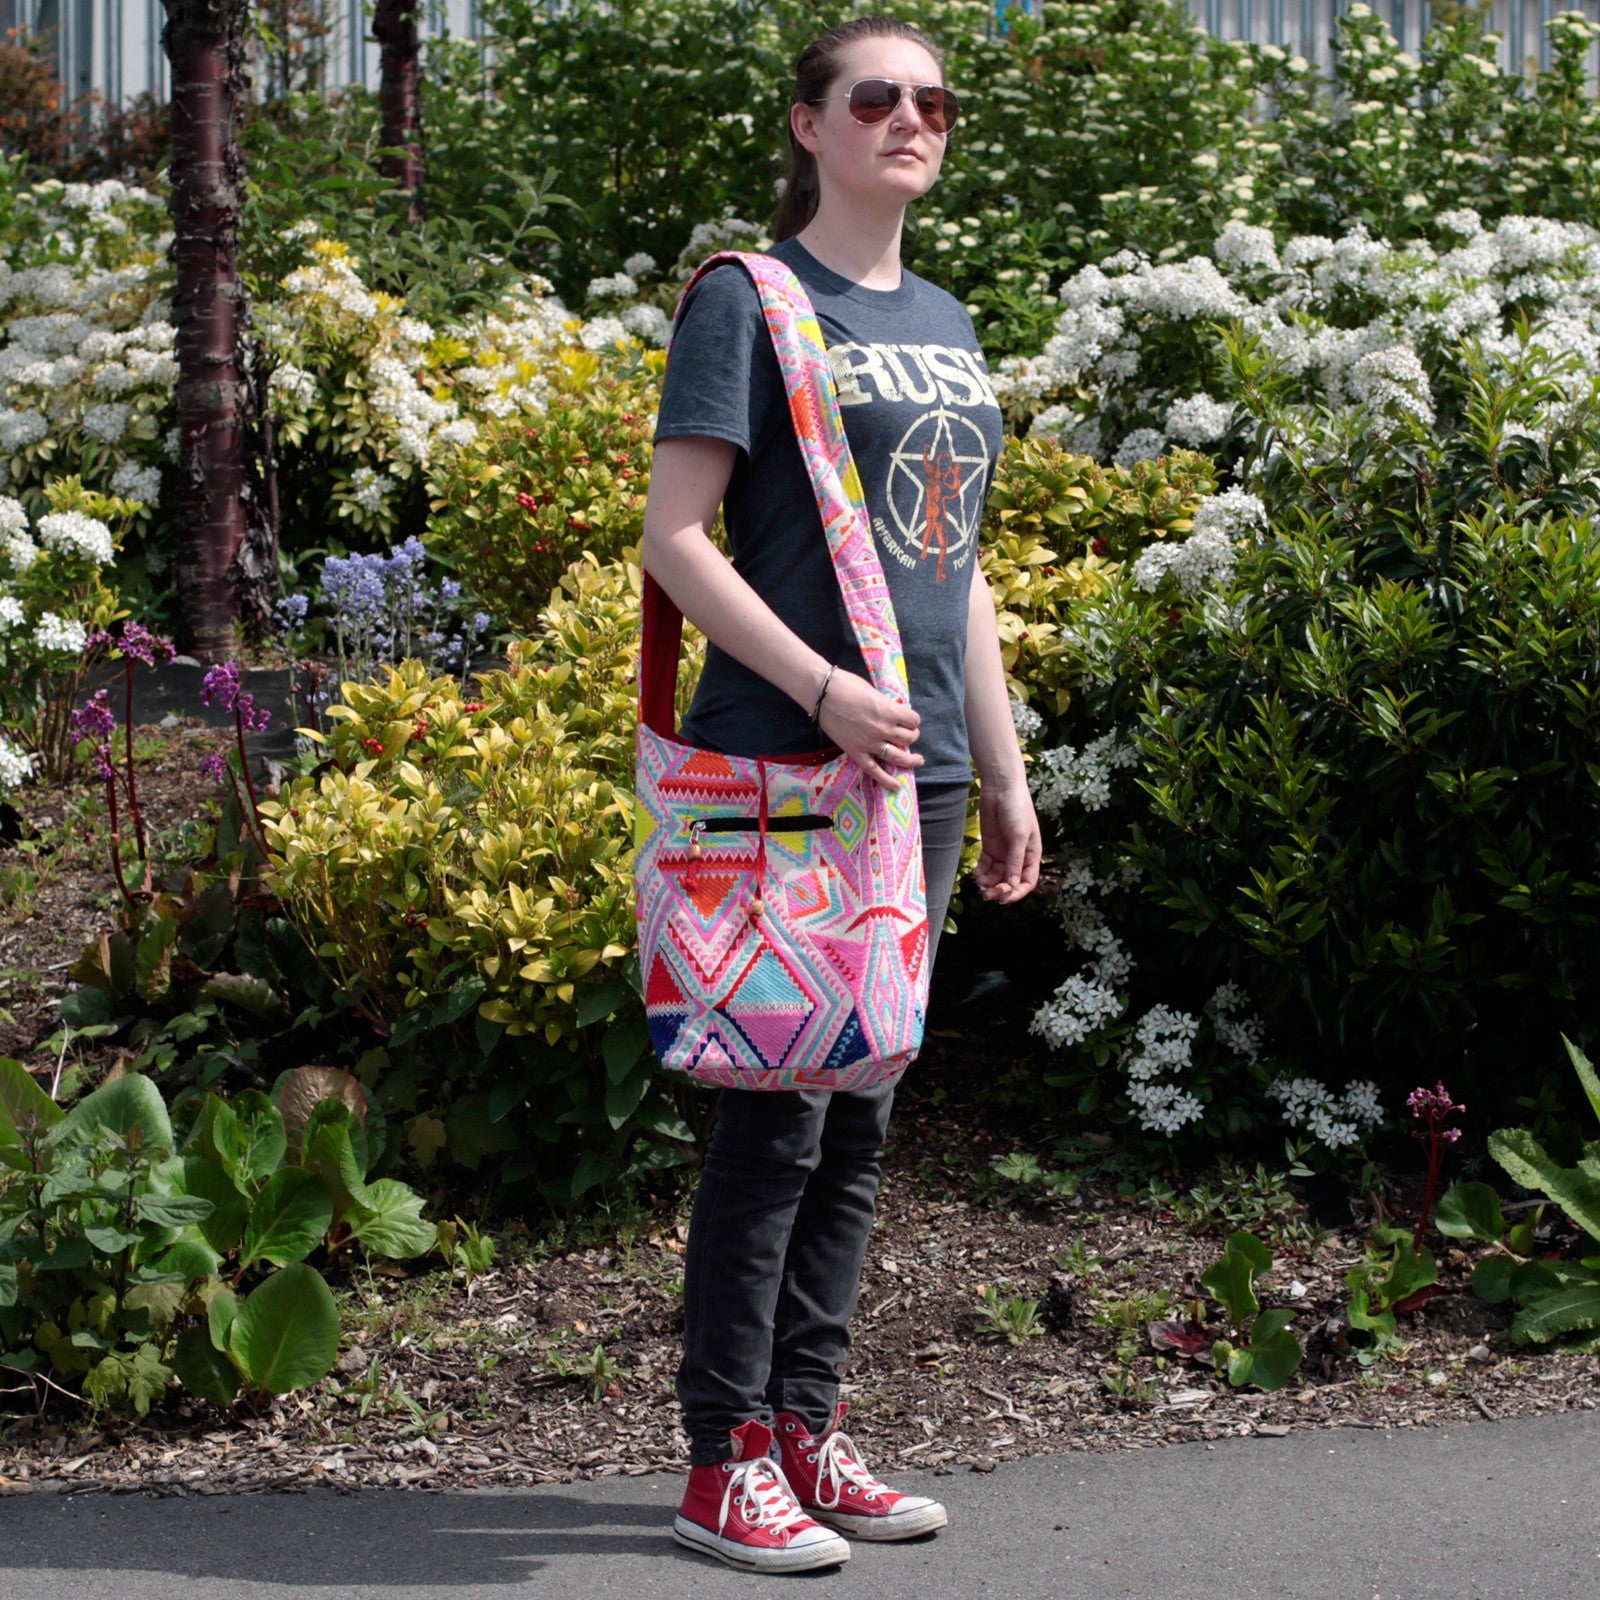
pixel 814 73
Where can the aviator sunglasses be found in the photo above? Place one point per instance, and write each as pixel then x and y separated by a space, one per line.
pixel 872 99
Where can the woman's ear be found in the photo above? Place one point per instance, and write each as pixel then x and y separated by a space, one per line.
pixel 803 120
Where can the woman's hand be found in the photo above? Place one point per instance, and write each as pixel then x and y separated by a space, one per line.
pixel 1008 830
pixel 870 727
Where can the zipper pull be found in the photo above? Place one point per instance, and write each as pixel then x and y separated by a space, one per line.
pixel 696 830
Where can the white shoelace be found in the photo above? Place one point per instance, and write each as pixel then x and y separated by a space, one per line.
pixel 762 1486
pixel 838 1465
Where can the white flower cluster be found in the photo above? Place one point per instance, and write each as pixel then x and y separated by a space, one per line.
pixel 16 765
pixel 1163 1042
pixel 75 533
pixel 137 483
pixel 598 333
pixel 18 549
pixel 636 266
pixel 1197 420
pixel 369 488
pixel 1066 774
pixel 1335 1120
pixel 619 286
pixel 1024 719
pixel 1357 321
pixel 1244 1036
pixel 726 233
pixel 11 612
pixel 60 633
pixel 645 321
pixel 85 344
pixel 291 387
pixel 1078 1008
pixel 1209 555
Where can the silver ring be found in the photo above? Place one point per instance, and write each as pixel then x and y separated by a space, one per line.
pixel 884 758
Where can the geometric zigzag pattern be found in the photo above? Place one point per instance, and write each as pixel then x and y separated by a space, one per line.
pixel 778 959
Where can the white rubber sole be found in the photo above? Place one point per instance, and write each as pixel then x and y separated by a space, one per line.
pixel 797 1558
pixel 884 1530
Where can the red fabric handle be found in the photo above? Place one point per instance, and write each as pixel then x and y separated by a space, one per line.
pixel 661 635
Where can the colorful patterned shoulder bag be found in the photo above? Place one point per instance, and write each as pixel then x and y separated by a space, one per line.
pixel 783 924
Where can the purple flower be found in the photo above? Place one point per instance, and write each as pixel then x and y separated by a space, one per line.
pixel 291 611
pixel 222 686
pixel 1426 1103
pixel 135 640
pixel 251 719
pixel 215 767
pixel 222 683
pixel 96 720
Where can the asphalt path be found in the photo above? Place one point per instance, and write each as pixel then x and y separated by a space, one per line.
pixel 1483 1511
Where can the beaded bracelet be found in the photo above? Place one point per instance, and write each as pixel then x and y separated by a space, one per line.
pixel 816 710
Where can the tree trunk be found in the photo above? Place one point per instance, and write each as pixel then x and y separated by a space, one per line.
pixel 394 26
pixel 204 41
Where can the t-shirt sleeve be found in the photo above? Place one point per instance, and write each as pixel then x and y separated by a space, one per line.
pixel 716 385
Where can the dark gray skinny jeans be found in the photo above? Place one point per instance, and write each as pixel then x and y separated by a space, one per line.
pixel 781 1221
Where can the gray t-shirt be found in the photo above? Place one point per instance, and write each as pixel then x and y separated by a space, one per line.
pixel 925 432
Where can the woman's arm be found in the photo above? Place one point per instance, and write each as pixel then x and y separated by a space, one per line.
pixel 1008 868
pixel 688 479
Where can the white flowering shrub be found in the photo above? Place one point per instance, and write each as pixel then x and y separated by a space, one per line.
pixel 1325 795
pixel 53 596
pixel 86 368
pixel 1136 363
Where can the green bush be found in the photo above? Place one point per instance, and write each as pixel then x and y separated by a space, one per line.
pixel 534 492
pixel 1055 528
pixel 129 1255
pixel 462 868
pixel 1341 746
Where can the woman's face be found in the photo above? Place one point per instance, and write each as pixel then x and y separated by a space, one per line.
pixel 888 164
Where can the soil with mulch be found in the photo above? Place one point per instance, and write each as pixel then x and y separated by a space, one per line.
pixel 58 834
pixel 446 1383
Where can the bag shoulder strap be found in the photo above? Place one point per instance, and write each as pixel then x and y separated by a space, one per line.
pixel 814 405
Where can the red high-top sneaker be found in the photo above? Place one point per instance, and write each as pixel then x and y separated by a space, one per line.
pixel 743 1512
pixel 833 1485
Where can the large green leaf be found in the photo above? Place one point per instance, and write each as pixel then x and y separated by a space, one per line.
pixel 1586 1074
pixel 623 1043
pixel 331 1155
pixel 23 1104
pixel 222 1308
pixel 1470 1211
pixel 204 1178
pixel 1230 1280
pixel 263 1138
pixel 192 1258
pixel 1524 1158
pixel 299 1092
pixel 204 1370
pixel 1271 1356
pixel 622 1099
pixel 125 1103
pixel 172 1210
pixel 389 1220
pixel 291 1214
pixel 1572 1308
pixel 207 924
pixel 1491 1279
pixel 254 995
pixel 286 1333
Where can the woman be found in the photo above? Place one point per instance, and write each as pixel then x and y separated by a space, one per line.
pixel 786 1197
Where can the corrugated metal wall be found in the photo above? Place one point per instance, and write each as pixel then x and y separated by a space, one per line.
pixel 1305 27
pixel 114 46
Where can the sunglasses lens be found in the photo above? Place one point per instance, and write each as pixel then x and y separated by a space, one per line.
pixel 938 108
pixel 872 99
